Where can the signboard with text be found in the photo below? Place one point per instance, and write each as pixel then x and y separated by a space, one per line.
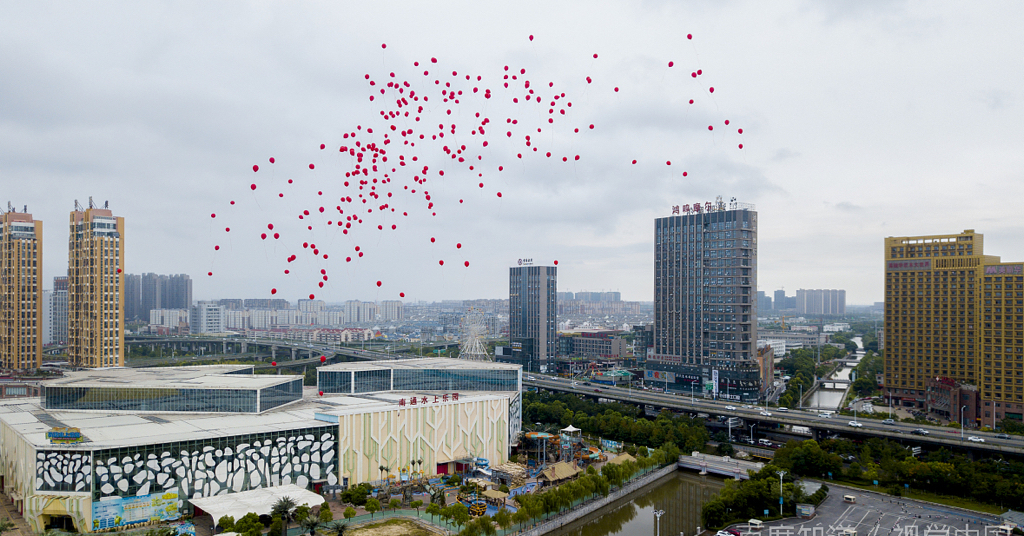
pixel 120 511
pixel 906 266
pixel 1011 269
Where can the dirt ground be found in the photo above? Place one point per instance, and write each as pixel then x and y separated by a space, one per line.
pixel 393 527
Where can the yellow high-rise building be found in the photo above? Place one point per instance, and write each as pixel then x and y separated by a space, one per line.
pixel 953 312
pixel 21 295
pixel 95 288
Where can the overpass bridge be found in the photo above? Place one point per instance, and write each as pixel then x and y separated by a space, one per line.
pixel 773 419
pixel 719 465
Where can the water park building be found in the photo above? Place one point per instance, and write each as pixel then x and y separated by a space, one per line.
pixel 107 448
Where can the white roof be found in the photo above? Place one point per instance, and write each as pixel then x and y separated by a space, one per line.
pixel 421 363
pixel 193 377
pixel 570 429
pixel 259 501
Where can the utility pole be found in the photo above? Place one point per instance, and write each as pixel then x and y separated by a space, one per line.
pixel 780 473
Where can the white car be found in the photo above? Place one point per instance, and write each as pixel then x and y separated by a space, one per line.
pixel 730 408
pixel 748 406
pixel 782 408
pixel 766 414
pixel 856 424
pixel 975 439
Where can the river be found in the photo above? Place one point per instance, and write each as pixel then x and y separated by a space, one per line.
pixel 681 495
pixel 831 398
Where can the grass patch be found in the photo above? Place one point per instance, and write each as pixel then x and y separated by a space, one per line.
pixel 947 500
pixel 392 527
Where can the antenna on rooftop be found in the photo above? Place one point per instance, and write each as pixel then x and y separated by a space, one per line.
pixel 90 202
pixel 106 204
pixel 78 206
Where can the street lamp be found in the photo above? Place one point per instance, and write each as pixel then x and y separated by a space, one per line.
pixel 752 431
pixel 962 408
pixel 657 516
pixel 780 473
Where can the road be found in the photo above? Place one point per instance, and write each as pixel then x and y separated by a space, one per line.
pixel 938 436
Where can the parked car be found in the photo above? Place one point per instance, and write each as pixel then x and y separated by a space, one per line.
pixel 919 431
pixel 734 532
pixel 856 424
pixel 975 439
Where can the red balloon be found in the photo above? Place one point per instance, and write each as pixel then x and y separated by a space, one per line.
pixel 322 147
pixel 689 36
pixel 213 215
pixel 556 263
pixel 273 291
pixel 684 173
pixel 311 296
pixel 591 126
pixel 699 72
pixel 277 236
pixel 378 283
pixel 467 264
pixel 441 262
pixel 691 101
pixel 227 229
pixel 711 89
pixel 741 146
pixel 431 240
pixel 740 131
pixel 321 393
pixel 255 168
pixel 671 63
pixel 616 89
pixel 215 248
pixel 634 161
pixel 209 273
pixel 383 45
pixel 401 294
pixel 252 186
pixel 323 358
pixel 311 166
pixel 531 38
pixel 668 162
pixel 726 121
pixel 271 159
pixel 499 194
pixel 711 127
pixel 232 202
pixel 458 246
pixel 273 363
pixel 263 236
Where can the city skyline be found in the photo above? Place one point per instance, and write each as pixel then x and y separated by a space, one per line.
pixel 838 132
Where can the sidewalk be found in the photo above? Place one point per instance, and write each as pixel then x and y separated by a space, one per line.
pixel 8 511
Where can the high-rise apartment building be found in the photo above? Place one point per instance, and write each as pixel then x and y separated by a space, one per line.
pixel 176 292
pixel 821 302
pixel 21 294
pixel 953 312
pixel 133 298
pixel 705 301
pixel 152 293
pixel 391 310
pixel 533 312
pixel 46 330
pixel 207 317
pixel 59 310
pixel 95 288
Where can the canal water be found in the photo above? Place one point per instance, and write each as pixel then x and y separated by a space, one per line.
pixel 831 398
pixel 681 495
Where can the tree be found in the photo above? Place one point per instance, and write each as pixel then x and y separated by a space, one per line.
pixel 349 512
pixel 249 525
pixel 520 517
pixel 503 518
pixel 460 514
pixel 310 524
pixel 434 510
pixel 301 512
pixel 416 504
pixel 336 528
pixel 275 527
pixel 394 504
pixel 226 523
pixel 284 508
pixel 326 516
pixel 372 506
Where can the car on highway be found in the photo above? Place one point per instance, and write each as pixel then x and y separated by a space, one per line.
pixel 1003 436
pixel 889 421
pixel 919 431
pixel 748 406
pixel 856 424
pixel 975 439
pixel 730 408
pixel 782 408
pixel 766 414
pixel 597 390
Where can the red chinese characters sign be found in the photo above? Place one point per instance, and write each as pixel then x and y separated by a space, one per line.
pixel 903 266
pixel 428 399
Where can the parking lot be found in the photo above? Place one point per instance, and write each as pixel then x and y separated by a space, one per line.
pixel 877 514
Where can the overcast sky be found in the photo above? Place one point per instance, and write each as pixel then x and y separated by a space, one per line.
pixel 860 120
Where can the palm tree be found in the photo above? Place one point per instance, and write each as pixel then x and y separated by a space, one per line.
pixel 335 528
pixel 310 524
pixel 284 507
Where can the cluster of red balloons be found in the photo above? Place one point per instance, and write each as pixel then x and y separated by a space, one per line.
pixel 427 124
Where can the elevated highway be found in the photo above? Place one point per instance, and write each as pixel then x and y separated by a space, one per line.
pixel 772 418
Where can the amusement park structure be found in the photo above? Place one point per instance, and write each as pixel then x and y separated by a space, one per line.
pixel 471 337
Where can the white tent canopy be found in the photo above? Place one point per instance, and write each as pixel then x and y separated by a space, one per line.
pixel 569 429
pixel 259 501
